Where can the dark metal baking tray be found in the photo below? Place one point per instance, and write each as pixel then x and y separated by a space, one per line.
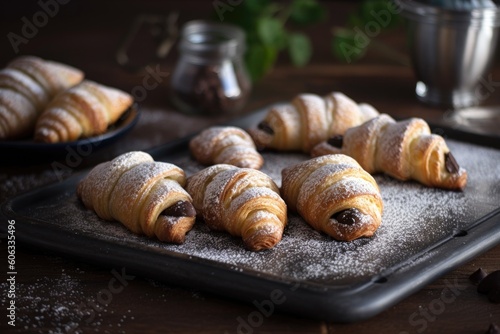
pixel 424 233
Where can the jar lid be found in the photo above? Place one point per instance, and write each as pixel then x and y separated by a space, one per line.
pixel 460 12
pixel 212 38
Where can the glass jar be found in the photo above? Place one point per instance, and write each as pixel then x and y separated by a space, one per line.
pixel 210 77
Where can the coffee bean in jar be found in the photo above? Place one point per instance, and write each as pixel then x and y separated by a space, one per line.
pixel 210 76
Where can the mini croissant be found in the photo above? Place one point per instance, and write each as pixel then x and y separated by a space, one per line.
pixel 144 195
pixel 334 195
pixel 27 85
pixel 308 120
pixel 226 145
pixel 404 150
pixel 81 111
pixel 242 201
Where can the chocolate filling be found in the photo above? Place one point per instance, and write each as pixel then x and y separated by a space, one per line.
pixel 450 163
pixel 336 141
pixel 265 128
pixel 348 216
pixel 180 209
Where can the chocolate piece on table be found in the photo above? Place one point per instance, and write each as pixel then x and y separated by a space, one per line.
pixel 489 283
pixel 494 296
pixel 493 329
pixel 477 276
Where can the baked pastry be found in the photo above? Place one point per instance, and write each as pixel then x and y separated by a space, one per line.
pixel 27 85
pixel 226 145
pixel 308 120
pixel 144 195
pixel 404 150
pixel 334 195
pixel 242 201
pixel 81 111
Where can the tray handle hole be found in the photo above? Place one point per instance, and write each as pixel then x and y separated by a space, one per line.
pixel 460 233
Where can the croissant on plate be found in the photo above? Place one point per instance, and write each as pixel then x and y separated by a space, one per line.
pixel 27 85
pixel 81 111
pixel 334 195
pixel 404 150
pixel 242 201
pixel 144 195
pixel 308 120
pixel 226 145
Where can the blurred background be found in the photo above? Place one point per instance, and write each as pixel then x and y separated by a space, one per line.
pixel 88 34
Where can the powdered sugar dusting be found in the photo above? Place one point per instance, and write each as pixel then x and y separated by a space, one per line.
pixel 225 145
pixel 414 218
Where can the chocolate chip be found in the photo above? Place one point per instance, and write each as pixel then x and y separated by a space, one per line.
pixel 493 329
pixel 348 216
pixel 180 209
pixel 477 276
pixel 265 128
pixel 490 282
pixel 336 141
pixel 450 163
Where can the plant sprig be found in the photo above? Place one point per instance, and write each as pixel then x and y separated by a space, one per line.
pixel 351 42
pixel 268 31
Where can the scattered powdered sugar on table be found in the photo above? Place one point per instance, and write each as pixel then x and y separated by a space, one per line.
pixel 74 305
pixel 60 311
pixel 414 218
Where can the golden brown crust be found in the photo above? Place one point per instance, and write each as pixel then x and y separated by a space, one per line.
pixel 308 120
pixel 226 145
pixel 404 150
pixel 26 86
pixel 81 111
pixel 242 201
pixel 17 115
pixel 54 77
pixel 322 188
pixel 135 190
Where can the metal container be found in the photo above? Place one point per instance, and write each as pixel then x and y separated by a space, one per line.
pixel 451 50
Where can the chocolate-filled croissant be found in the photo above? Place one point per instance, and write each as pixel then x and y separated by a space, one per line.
pixel 308 120
pixel 242 201
pixel 226 145
pixel 144 195
pixel 404 150
pixel 334 195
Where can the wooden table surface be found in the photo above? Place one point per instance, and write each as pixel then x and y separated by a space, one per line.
pixel 52 289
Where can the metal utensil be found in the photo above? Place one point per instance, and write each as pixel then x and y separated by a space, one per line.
pixel 451 50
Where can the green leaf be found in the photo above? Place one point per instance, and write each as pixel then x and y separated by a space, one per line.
pixel 355 20
pixel 378 11
pixel 299 49
pixel 271 32
pixel 255 6
pixel 306 12
pixel 345 48
pixel 259 59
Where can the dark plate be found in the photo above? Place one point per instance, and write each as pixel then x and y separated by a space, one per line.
pixel 424 233
pixel 26 150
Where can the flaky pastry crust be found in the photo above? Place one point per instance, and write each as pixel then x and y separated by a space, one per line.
pixel 242 201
